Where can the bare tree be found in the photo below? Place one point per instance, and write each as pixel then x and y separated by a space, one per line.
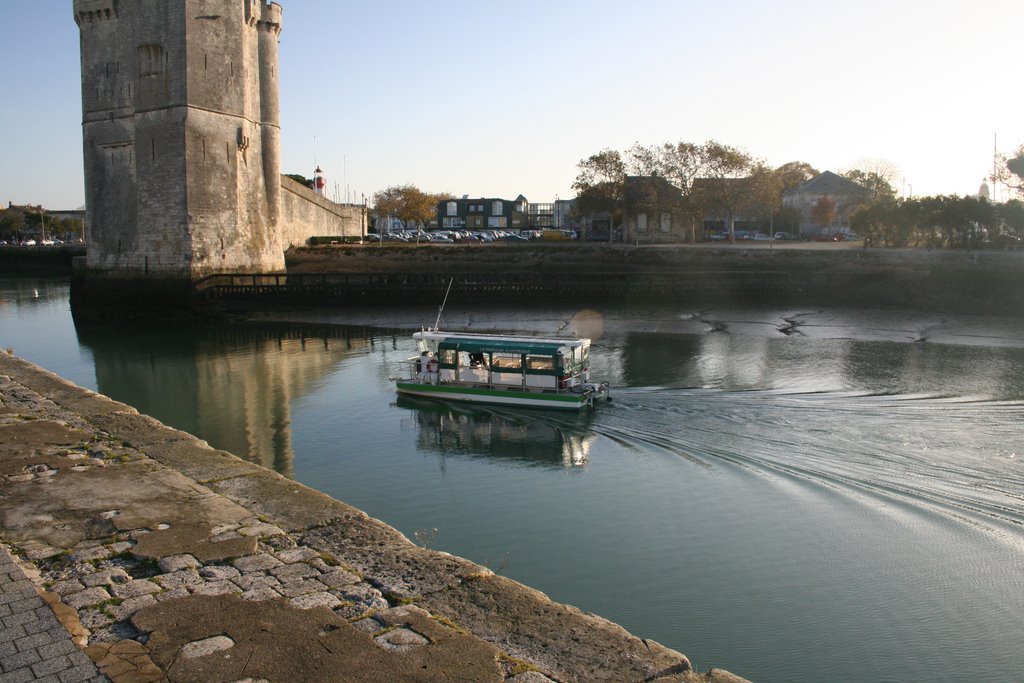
pixel 875 175
pixel 1010 171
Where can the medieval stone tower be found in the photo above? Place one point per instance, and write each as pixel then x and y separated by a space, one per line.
pixel 181 136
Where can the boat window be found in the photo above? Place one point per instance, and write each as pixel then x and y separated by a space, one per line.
pixel 503 361
pixel 540 363
pixel 446 357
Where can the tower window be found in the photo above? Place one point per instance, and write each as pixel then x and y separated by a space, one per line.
pixel 151 60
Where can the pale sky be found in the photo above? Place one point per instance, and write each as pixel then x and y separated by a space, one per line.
pixel 500 99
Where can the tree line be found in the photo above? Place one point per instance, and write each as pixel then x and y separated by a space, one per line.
pixel 942 221
pixel 17 222
pixel 728 181
pixel 715 178
pixel 949 220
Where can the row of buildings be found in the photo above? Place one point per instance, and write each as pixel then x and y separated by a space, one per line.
pixel 654 210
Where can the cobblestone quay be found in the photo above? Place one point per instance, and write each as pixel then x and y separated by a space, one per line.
pixel 133 552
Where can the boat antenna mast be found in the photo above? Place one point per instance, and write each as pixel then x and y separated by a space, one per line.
pixel 440 310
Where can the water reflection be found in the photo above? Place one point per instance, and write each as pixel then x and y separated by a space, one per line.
pixel 234 386
pixel 32 293
pixel 522 437
pixel 730 362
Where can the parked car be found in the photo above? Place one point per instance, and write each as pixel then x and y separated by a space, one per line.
pixel 761 237
pixel 784 236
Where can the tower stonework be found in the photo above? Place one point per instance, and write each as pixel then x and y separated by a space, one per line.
pixel 181 141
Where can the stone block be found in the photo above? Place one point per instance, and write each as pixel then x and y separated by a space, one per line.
pixel 215 588
pixel 185 577
pixel 219 573
pixel 20 660
pixel 173 563
pixel 133 589
pixel 293 572
pixel 87 598
pixel 256 563
pixel 311 600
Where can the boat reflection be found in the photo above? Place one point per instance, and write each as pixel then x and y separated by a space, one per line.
pixel 523 436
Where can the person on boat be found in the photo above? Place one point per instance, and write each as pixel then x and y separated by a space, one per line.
pixel 421 366
pixel 432 369
pixel 476 360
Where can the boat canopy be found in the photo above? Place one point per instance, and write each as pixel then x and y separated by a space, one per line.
pixel 485 343
pixel 500 346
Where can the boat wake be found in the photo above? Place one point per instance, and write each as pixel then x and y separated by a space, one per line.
pixel 933 455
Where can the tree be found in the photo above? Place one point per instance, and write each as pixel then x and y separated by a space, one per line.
pixel 723 188
pixel 875 222
pixel 681 163
pixel 876 176
pixel 643 161
pixel 601 186
pixel 1011 217
pixel 12 221
pixel 793 174
pixel 873 183
pixel 408 204
pixel 823 212
pixel 1011 171
pixel 301 179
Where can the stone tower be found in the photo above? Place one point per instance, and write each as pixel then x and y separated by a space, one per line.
pixel 181 135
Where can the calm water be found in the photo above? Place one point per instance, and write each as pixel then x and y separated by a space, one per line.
pixel 843 502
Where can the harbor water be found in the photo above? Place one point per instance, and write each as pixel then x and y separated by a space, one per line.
pixel 792 495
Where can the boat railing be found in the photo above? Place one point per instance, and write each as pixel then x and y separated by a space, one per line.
pixel 416 369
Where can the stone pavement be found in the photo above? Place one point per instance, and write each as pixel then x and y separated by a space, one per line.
pixel 34 646
pixel 167 560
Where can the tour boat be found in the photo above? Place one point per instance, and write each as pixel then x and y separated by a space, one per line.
pixel 535 372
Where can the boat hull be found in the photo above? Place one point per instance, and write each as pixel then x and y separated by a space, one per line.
pixel 507 397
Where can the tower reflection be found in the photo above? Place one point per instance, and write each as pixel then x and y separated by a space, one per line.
pixel 232 386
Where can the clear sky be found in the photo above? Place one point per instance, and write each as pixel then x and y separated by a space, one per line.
pixel 499 98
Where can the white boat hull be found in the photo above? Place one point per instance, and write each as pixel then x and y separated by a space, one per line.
pixel 508 397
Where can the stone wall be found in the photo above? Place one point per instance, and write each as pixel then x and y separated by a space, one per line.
pixel 306 214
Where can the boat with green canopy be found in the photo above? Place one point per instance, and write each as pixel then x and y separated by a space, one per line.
pixel 536 372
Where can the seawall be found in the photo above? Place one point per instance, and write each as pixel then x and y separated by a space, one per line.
pixel 167 559
pixel 55 260
pixel 793 274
